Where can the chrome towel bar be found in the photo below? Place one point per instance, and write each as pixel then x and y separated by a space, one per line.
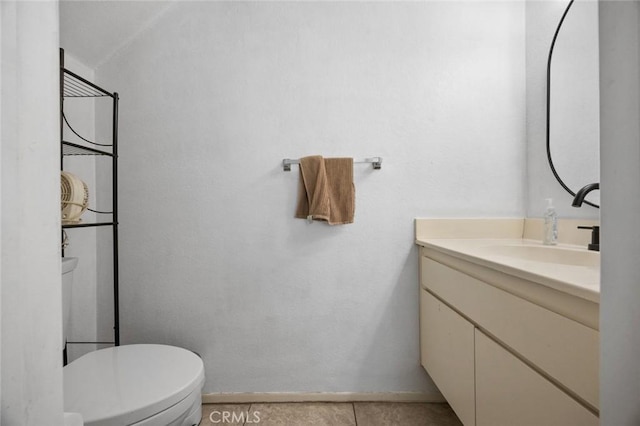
pixel 376 162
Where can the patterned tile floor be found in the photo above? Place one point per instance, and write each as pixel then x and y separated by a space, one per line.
pixel 329 414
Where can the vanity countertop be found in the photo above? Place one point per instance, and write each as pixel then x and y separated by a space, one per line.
pixel 568 268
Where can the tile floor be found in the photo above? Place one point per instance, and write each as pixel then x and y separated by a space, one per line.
pixel 330 414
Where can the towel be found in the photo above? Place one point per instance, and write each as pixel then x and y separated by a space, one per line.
pixel 326 190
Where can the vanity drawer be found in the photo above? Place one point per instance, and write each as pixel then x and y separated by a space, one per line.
pixel 509 392
pixel 565 350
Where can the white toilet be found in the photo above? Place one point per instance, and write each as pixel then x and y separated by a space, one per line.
pixel 150 385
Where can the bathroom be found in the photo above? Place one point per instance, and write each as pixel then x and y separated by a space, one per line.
pixel 213 97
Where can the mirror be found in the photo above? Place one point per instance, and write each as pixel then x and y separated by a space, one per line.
pixel 574 123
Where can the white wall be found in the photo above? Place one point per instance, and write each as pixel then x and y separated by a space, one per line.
pixel 574 136
pixel 215 95
pixel 620 168
pixel 31 297
pixel 3 54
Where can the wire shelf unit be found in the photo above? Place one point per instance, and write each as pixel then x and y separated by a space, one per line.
pixel 70 148
pixel 74 86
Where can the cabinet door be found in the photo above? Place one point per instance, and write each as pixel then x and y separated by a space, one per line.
pixel 446 352
pixel 510 393
pixel 563 348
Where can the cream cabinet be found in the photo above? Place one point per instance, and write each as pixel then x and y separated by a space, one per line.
pixel 509 392
pixel 446 348
pixel 500 358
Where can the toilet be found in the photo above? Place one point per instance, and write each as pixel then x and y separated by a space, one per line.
pixel 141 385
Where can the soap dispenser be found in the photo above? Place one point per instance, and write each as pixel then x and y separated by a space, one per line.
pixel 550 236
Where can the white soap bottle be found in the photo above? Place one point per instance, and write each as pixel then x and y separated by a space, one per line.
pixel 550 236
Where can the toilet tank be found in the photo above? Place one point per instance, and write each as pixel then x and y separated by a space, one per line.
pixel 68 266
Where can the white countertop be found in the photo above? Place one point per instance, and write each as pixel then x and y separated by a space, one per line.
pixel 567 268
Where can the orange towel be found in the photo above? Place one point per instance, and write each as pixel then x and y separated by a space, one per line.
pixel 326 190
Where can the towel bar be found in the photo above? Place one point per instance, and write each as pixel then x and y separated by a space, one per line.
pixel 376 162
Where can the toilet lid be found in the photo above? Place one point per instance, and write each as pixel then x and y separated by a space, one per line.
pixel 125 384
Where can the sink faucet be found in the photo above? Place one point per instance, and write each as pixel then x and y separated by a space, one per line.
pixel 579 197
pixel 577 202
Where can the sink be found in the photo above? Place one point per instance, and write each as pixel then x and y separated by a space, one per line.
pixel 547 254
pixel 498 245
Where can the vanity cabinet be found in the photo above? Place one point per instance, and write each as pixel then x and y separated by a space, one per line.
pixel 501 358
pixel 446 351
pixel 509 392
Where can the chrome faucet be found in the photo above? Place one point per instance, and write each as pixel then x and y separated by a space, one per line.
pixel 579 197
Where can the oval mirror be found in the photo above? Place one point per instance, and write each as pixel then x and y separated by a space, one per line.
pixel 574 116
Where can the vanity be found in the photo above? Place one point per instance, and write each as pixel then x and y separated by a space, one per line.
pixel 509 328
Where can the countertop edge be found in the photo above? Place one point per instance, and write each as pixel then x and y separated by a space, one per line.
pixel 568 288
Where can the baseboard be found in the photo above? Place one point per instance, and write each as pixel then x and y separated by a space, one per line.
pixel 248 398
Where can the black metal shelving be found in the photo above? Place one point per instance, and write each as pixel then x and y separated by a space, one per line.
pixel 74 86
pixel 70 148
